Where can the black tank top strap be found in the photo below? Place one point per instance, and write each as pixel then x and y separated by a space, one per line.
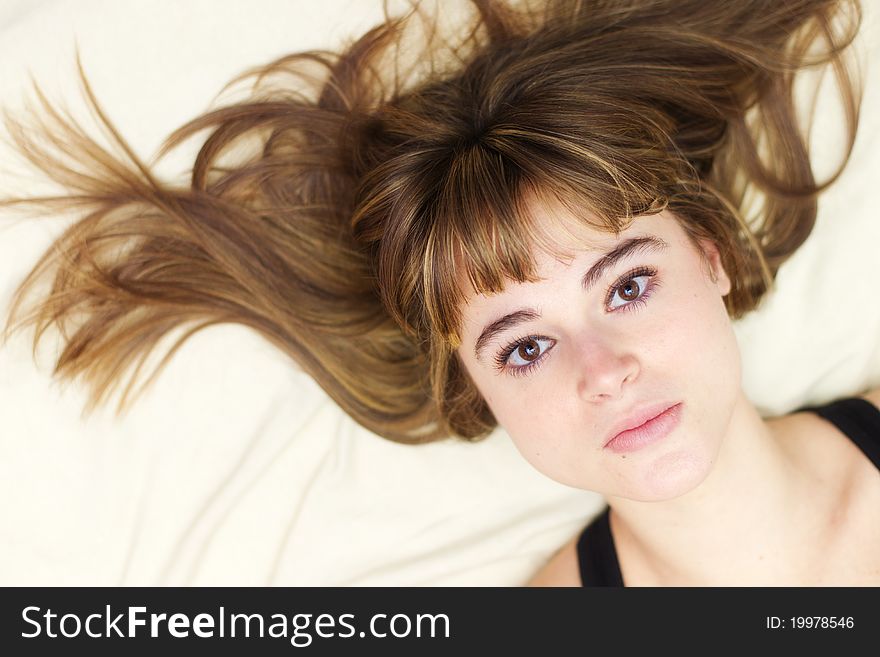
pixel 597 557
pixel 857 418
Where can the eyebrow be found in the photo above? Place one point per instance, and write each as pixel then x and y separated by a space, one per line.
pixel 623 250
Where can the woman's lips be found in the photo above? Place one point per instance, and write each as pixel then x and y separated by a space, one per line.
pixel 647 433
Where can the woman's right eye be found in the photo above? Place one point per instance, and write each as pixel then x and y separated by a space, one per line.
pixel 524 354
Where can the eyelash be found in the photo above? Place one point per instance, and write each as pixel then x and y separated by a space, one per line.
pixel 502 357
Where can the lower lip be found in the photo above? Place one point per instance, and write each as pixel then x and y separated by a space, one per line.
pixel 650 432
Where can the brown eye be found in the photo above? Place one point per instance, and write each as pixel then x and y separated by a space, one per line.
pixel 525 354
pixel 528 351
pixel 630 290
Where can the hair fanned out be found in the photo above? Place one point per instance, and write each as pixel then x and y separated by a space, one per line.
pixel 385 176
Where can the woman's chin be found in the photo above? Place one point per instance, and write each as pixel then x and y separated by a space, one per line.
pixel 671 475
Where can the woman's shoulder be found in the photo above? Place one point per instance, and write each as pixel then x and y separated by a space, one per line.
pixel 561 570
pixel 813 441
pixel 796 419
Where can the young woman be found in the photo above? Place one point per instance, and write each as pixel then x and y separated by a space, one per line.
pixel 547 222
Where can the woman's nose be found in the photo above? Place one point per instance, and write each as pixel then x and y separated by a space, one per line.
pixel 605 370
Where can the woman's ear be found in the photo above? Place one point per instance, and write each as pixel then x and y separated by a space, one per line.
pixel 717 273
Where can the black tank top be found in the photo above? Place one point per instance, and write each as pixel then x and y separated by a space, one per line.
pixel 597 557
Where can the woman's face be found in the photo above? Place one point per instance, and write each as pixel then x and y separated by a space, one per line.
pixel 575 363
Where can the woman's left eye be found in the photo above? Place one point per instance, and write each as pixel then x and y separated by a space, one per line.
pixel 632 289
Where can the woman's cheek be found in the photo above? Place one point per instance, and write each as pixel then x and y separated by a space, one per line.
pixel 707 341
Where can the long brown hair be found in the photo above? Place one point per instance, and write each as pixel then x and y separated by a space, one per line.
pixel 337 210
